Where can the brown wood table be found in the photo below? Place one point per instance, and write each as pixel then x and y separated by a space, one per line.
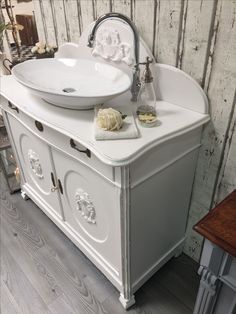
pixel 217 290
pixel 219 225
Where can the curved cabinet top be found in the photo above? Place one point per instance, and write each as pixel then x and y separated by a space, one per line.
pixel 79 125
pixel 182 104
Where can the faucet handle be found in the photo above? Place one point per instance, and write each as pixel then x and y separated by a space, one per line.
pixel 148 61
pixel 90 40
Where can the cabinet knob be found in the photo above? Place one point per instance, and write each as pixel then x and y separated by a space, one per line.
pixel 10 105
pixel 39 125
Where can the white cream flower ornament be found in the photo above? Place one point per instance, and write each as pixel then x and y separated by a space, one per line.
pixel 109 119
pixel 41 48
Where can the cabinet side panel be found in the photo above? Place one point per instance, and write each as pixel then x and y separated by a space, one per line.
pixel 159 210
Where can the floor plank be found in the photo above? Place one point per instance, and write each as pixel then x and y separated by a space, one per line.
pixel 62 280
pixel 26 297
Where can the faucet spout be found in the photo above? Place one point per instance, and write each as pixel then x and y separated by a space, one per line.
pixel 91 39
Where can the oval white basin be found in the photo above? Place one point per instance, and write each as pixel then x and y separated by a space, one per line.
pixel 72 83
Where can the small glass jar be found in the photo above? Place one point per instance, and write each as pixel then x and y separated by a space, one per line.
pixel 146 110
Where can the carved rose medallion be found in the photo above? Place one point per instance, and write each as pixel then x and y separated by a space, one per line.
pixel 85 206
pixel 109 46
pixel 35 164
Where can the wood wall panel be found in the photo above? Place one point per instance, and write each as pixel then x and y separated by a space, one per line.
pixel 143 17
pixel 198 36
pixel 168 27
pixel 122 6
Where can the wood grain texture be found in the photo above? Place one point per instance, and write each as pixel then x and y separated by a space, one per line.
pixel 219 225
pixel 50 22
pixel 122 6
pixel 227 179
pixel 196 37
pixel 143 17
pixel 168 20
pixel 38 20
pixel 19 286
pixel 220 88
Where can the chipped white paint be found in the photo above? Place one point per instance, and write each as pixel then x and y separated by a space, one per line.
pixel 200 37
pixel 168 18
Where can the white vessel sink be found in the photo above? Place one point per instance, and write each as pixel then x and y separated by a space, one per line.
pixel 72 83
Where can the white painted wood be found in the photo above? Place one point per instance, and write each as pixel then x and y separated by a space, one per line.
pixel 168 19
pixel 196 37
pixel 119 218
pixel 221 91
pixel 101 7
pixel 103 236
pixel 38 19
pixel 87 13
pixel 174 120
pixel 50 23
pixel 72 20
pixel 227 180
pixel 60 21
pixel 145 22
pixel 37 169
pixel 122 6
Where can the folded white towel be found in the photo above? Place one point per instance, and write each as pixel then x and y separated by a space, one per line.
pixel 128 130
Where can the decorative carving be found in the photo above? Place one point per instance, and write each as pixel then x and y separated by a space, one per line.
pixel 207 291
pixel 35 164
pixel 109 46
pixel 85 206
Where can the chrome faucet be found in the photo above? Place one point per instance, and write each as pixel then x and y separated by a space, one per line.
pixel 136 71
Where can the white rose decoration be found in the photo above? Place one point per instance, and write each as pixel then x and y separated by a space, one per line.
pixel 109 119
pixel 41 51
pixel 34 49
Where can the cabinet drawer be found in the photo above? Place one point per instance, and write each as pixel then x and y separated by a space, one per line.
pixel 62 142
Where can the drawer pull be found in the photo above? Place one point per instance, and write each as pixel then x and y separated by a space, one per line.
pixel 39 125
pixel 60 186
pixel 10 105
pixel 86 151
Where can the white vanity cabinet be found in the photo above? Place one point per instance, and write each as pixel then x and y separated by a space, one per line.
pixel 124 203
pixel 91 205
pixel 36 164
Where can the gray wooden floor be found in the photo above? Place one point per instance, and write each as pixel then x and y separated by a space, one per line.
pixel 43 272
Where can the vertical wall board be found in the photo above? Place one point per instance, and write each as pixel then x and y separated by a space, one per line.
pixel 221 91
pixel 39 21
pixel 72 19
pixel 196 37
pixel 144 19
pixel 122 6
pixel 168 21
pixel 87 12
pixel 49 21
pixel 101 7
pixel 227 177
pixel 58 9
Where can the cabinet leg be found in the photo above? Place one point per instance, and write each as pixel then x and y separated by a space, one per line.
pixel 24 195
pixel 127 303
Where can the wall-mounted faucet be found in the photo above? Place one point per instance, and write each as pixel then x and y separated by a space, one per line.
pixel 136 73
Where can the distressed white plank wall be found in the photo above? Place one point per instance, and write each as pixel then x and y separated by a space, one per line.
pixel 198 36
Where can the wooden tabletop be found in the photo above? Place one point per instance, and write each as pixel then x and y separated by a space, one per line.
pixel 219 225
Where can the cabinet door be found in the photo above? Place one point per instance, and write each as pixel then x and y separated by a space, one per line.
pixel 91 209
pixel 36 163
